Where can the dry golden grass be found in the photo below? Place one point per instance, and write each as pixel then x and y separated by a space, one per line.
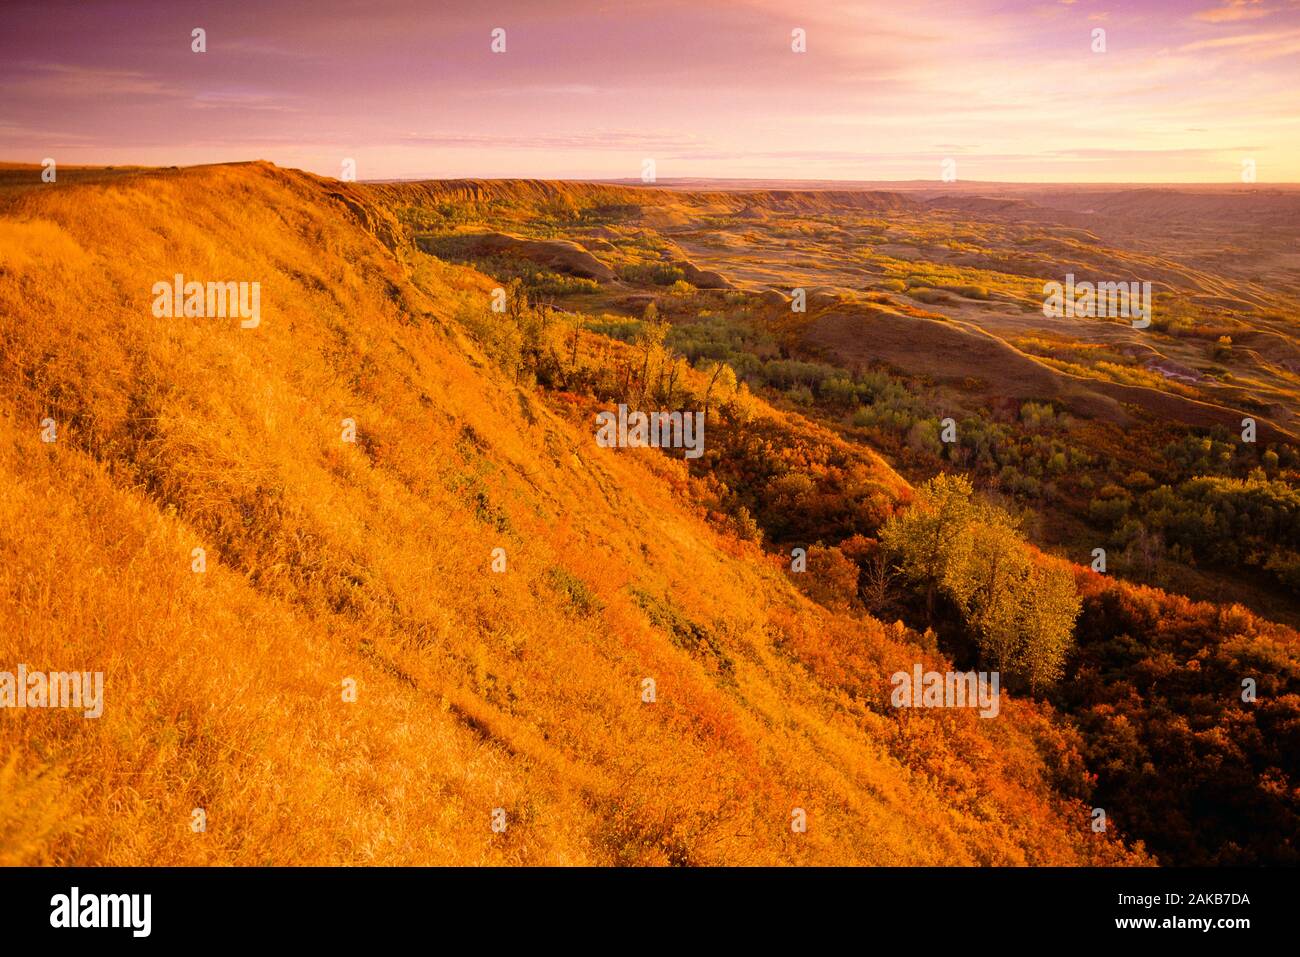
pixel 328 560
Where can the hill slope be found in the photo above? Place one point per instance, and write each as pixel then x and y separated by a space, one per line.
pixel 372 561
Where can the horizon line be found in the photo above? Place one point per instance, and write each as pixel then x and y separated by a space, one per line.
pixel 661 181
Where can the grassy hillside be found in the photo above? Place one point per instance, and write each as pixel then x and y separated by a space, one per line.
pixel 372 561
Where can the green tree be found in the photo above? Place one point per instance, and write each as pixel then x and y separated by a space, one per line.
pixel 1049 607
pixel 985 575
pixel 1020 610
pixel 650 339
pixel 921 537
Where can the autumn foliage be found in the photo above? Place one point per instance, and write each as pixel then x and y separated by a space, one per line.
pixel 371 561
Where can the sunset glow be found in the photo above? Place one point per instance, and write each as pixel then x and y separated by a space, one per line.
pixel 1011 90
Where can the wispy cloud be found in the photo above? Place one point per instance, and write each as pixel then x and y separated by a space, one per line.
pixel 1231 11
pixel 1272 44
pixel 243 100
pixel 589 139
pixel 62 80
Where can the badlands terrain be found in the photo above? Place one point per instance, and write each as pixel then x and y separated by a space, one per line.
pixel 496 589
pixel 944 285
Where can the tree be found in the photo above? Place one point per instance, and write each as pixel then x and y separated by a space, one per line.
pixel 1050 606
pixel 985 575
pixel 722 378
pixel 1020 610
pixel 922 535
pixel 651 338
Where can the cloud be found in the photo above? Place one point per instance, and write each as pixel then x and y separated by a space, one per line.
pixel 1235 10
pixel 587 140
pixel 242 100
pixel 17 138
pixel 1262 45
pixel 1116 154
pixel 65 80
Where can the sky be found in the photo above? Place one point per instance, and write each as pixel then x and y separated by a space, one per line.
pixel 1008 90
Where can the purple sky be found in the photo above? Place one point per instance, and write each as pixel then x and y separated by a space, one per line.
pixel 886 90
